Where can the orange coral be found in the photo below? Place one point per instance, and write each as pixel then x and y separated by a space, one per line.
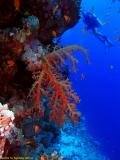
pixel 48 83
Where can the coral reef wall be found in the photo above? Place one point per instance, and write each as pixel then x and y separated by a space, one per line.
pixel 54 15
pixel 34 79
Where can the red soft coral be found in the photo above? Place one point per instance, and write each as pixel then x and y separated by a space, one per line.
pixel 62 99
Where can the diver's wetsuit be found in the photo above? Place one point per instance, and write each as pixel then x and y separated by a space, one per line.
pixel 92 23
pixel 102 38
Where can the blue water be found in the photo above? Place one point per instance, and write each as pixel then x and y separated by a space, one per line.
pixel 100 89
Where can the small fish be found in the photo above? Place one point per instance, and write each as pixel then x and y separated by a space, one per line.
pixel 82 77
pixel 17 4
pixel 43 158
pixel 111 66
pixel 10 63
pixel 54 33
pixel 67 18
pixel 37 128
pixel 28 142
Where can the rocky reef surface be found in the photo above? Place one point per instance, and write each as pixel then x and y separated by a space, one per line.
pixel 76 143
pixel 54 15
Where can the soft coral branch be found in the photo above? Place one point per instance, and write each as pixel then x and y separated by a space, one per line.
pixel 62 99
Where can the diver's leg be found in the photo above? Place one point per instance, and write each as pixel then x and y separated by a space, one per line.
pixel 102 38
pixel 108 42
pixel 98 35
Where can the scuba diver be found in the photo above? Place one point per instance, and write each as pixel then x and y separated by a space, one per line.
pixel 92 23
